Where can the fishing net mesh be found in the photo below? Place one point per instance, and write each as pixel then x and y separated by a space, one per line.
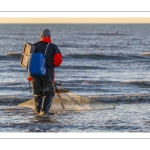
pixel 71 102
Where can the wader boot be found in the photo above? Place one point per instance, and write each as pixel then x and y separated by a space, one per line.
pixel 47 104
pixel 38 103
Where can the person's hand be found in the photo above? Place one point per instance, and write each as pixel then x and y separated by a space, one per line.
pixel 29 78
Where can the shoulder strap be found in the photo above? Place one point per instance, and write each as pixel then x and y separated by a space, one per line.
pixel 36 46
pixel 46 48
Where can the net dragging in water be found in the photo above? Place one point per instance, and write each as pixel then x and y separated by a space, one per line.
pixel 71 102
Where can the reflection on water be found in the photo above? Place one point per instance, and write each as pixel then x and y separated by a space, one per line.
pixel 43 119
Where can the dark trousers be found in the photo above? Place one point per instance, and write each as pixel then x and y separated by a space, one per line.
pixel 43 94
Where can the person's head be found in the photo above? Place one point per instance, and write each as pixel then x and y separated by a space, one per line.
pixel 45 33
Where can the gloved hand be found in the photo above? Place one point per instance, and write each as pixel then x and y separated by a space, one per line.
pixel 29 78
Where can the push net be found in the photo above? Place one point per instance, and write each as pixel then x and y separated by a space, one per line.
pixel 69 101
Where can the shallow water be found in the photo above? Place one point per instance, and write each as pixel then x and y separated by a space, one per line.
pixel 106 63
pixel 124 118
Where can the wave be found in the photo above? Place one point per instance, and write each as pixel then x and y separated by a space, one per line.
pixel 11 56
pixel 67 45
pixel 14 99
pixel 122 98
pixel 107 82
pixel 105 34
pixel 14 54
pixel 14 83
pixel 145 54
pixel 143 84
pixel 16 69
pixel 104 56
pixel 92 56
pixel 118 87
pixel 11 83
pixel 138 83
pixel 85 45
pixel 81 81
pixel 118 56
pixel 81 67
pixel 127 98
pixel 12 87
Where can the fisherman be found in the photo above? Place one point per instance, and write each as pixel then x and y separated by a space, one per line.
pixel 43 87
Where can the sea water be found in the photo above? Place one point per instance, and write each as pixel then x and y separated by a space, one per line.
pixel 103 62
